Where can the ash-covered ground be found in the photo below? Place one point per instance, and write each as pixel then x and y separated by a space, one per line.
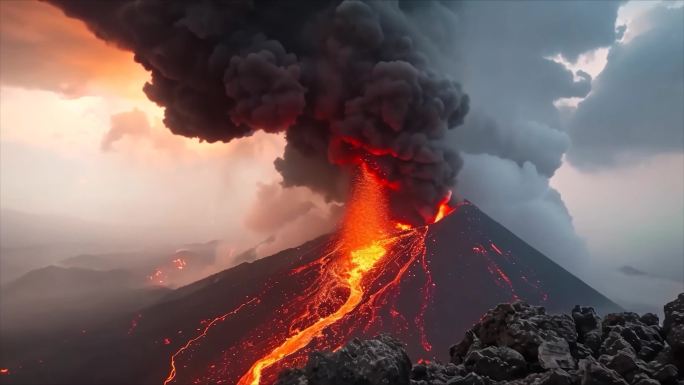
pixel 516 344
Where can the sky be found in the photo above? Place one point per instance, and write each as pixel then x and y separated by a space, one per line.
pixel 575 139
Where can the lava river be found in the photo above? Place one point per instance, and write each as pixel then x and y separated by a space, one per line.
pixel 343 293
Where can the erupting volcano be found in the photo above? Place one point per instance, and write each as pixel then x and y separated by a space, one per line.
pixel 365 116
pixel 425 285
pixel 375 275
pixel 349 285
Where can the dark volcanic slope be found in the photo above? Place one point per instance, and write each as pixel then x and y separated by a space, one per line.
pixel 473 261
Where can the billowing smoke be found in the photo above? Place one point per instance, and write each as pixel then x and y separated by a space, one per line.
pixel 344 81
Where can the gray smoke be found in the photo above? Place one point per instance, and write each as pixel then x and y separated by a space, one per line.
pixel 345 81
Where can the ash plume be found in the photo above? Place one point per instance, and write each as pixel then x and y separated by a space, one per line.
pixel 345 81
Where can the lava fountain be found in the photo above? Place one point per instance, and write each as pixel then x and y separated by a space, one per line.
pixel 362 244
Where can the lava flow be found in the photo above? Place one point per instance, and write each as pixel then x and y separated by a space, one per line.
pixel 364 244
pixel 346 292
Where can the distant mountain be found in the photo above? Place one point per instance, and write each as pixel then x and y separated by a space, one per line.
pixel 54 298
pixel 433 285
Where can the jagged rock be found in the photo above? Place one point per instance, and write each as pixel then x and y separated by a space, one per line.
pixel 614 343
pixel 647 381
pixel 650 319
pixel 666 374
pixel 675 337
pixel 458 352
pixel 593 373
pixel 674 313
pixel 625 364
pixel 554 354
pixel 592 340
pixel 579 351
pixel 673 325
pixel 519 344
pixel 646 353
pixel 497 363
pixel 585 319
pixel 553 377
pixel 519 326
pixel 380 361
pixel 470 379
pixel 434 373
pixel 292 377
pixel 614 319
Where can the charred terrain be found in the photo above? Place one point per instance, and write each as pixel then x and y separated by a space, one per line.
pixel 434 283
pixel 517 344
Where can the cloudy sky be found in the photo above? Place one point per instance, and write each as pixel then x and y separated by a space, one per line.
pixel 575 139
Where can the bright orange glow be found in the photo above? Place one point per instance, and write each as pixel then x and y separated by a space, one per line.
pixel 362 233
pixel 350 288
pixel 444 209
pixel 403 226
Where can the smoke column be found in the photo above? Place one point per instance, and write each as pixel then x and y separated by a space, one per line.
pixel 345 81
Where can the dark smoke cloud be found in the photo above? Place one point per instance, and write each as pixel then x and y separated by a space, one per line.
pixel 345 81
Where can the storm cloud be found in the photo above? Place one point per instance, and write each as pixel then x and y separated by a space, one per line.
pixel 635 108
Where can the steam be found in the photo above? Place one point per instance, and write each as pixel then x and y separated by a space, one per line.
pixel 346 82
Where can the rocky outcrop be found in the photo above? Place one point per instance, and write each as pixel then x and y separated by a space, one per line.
pixel 519 344
pixel 380 361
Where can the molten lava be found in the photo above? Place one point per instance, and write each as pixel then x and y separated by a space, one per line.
pixel 348 291
pixel 363 232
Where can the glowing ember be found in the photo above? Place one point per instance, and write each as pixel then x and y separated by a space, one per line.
pixel 157 277
pixel 4 371
pixel 134 323
pixel 403 226
pixel 179 263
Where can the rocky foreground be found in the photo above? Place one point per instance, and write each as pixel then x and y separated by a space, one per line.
pixel 516 344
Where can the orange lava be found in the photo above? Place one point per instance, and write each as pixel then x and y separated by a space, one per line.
pixel 364 229
pixel 443 209
pixel 350 289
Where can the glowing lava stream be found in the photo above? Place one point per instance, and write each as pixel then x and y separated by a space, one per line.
pixel 362 260
pixel 364 229
pixel 172 374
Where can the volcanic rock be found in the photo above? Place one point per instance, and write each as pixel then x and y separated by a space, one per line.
pixel 518 344
pixel 381 361
pixel 673 325
pixel 586 320
pixel 497 363
pixel 593 373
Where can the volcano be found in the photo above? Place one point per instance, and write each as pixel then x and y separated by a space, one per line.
pixel 435 283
